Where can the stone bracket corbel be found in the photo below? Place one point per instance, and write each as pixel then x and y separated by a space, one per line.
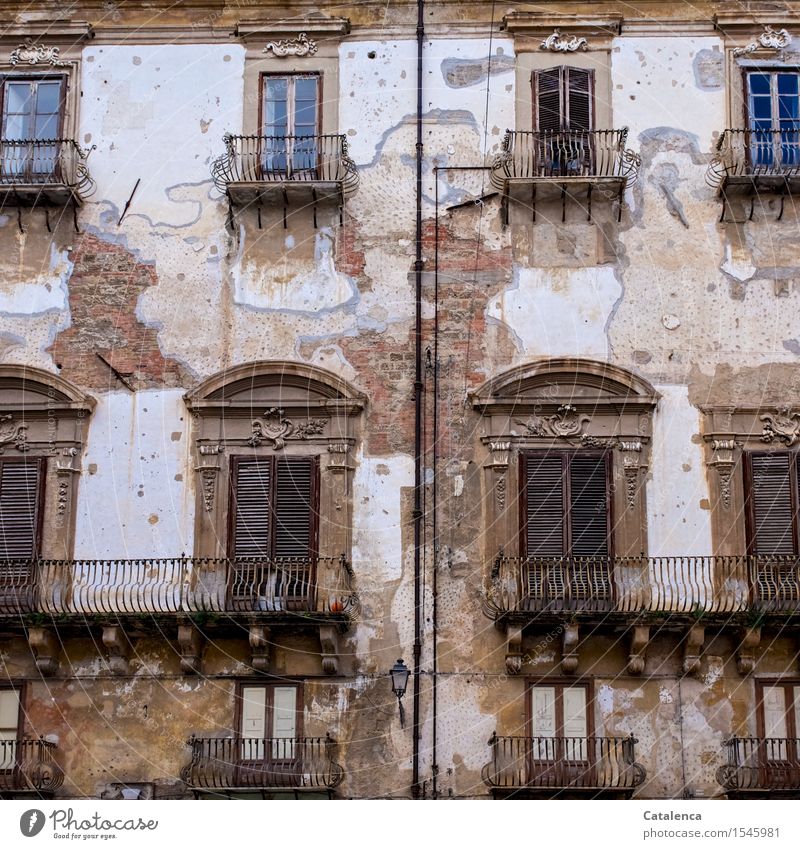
pixel 569 649
pixel 692 648
pixel 640 637
pixel 745 652
pixel 208 470
pixel 259 647
pixel 190 643
pixel 329 642
pixel 500 453
pixel 118 648
pixel 513 649
pixel 45 648
pixel 632 463
pixel 338 457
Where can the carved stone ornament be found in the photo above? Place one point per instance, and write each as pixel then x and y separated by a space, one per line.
pixel 209 478
pixel 557 43
pixel 13 432
pixel 630 466
pixel 723 462
pixel 31 53
pixel 313 427
pixel 564 424
pixel 274 428
pixel 300 46
pixel 770 39
pixel 784 425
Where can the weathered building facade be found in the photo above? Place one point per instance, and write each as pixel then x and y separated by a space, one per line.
pixel 338 333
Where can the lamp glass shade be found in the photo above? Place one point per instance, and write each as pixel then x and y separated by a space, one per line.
pixel 399 673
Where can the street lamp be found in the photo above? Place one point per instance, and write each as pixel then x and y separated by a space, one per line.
pixel 399 673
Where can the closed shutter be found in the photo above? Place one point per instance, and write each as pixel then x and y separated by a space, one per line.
pixel 21 482
pixel 543 534
pixel 284 721
pixel 547 87
pixel 795 691
pixel 575 724
pixel 578 84
pixel 9 719
pixel 254 712
pixel 588 506
pixel 252 517
pixel 774 704
pixel 772 510
pixel 543 722
pixel 295 511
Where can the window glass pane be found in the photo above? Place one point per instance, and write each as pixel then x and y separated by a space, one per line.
pixel 46 127
pixel 16 126
pixel 18 97
pixel 788 107
pixel 305 88
pixel 759 83
pixel 275 106
pixel 787 83
pixel 48 98
pixel 761 108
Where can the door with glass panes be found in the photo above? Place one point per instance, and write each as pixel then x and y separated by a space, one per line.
pixel 9 731
pixel 779 721
pixel 773 107
pixel 269 750
pixel 559 753
pixel 290 126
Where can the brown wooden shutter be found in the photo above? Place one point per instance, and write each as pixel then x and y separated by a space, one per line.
pixel 589 503
pixel 771 504
pixel 578 86
pixel 547 88
pixel 21 490
pixel 252 531
pixel 543 505
pixel 295 507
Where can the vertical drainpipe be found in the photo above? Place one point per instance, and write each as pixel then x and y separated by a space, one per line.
pixel 418 417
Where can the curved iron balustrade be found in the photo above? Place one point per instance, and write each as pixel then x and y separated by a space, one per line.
pixel 563 763
pixel 285 159
pixel 29 765
pixel 54 163
pixel 564 156
pixel 320 585
pixel 230 763
pixel 761 763
pixel 663 585
pixel 750 154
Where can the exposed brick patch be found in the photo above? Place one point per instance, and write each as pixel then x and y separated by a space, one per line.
pixel 104 289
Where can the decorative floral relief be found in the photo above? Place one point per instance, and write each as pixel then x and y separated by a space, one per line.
pixel 13 432
pixel 770 39
pixel 274 428
pixel 558 43
pixel 565 423
pixel 209 477
pixel 313 427
pixel 784 425
pixel 300 46
pixel 31 53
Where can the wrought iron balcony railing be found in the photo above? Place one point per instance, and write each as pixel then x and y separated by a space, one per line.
pixel 565 155
pixel 748 155
pixel 688 585
pixel 231 763
pixel 29 765
pixel 320 585
pixel 563 763
pixel 264 160
pixel 761 763
pixel 44 166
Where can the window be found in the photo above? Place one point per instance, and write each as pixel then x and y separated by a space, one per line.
pixel 9 728
pixel 274 524
pixel 773 106
pixel 779 721
pixel 32 121
pixel 559 724
pixel 21 493
pixel 566 525
pixel 772 503
pixel 290 124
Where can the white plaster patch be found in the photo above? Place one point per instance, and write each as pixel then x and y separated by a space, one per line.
pixel 665 696
pixel 47 292
pixel 604 698
pixel 559 311
pixel 738 265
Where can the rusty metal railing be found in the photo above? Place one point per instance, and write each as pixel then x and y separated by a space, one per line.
pixel 178 585
pixel 663 585
pixel 29 765
pixel 564 155
pixel 272 763
pixel 285 159
pixel 560 763
pixel 755 153
pixel 761 763
pixel 45 162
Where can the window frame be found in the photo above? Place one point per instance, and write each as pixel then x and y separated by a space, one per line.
pixel 776 770
pixel 40 506
pixel 560 684
pixel 7 77
pixel 563 98
pixel 20 688
pixel 290 110
pixel 775 158
pixel 269 687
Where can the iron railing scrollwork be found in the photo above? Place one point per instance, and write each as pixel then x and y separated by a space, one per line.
pixel 45 163
pixel 29 765
pixel 761 763
pixel 754 153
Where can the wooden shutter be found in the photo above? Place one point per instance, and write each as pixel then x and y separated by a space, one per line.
pixel 21 490
pixel 771 504
pixel 543 505
pixel 589 503
pixel 578 86
pixel 543 722
pixel 284 721
pixel 295 507
pixel 251 508
pixel 254 723
pixel 547 94
pixel 9 720
pixel 773 701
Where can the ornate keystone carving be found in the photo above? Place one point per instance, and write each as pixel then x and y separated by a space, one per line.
pixel 13 433
pixel 569 649
pixel 722 460
pixel 784 425
pixel 514 650
pixel 45 648
pixel 565 423
pixel 329 641
pixel 640 637
pixel 259 648
pixel 274 428
pixel 300 46
pixel 695 637
pixel 557 43
pixel 190 643
pixel 31 53
pixel 746 651
pixel 770 39
pixel 118 648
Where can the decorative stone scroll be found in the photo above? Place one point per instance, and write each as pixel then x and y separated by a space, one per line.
pixel 569 649
pixel 557 43
pixel 566 423
pixel 692 648
pixel 722 460
pixel 784 426
pixel 31 53
pixel 45 648
pixel 770 39
pixel 640 637
pixel 190 644
pixel 329 644
pixel 13 433
pixel 514 650
pixel 746 651
pixel 118 648
pixel 259 639
pixel 300 46
pixel 274 428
